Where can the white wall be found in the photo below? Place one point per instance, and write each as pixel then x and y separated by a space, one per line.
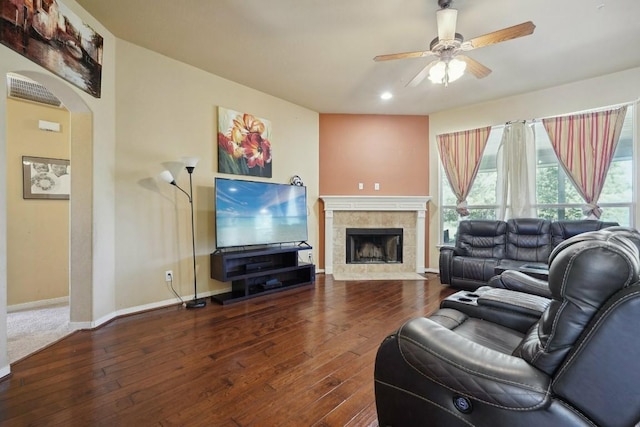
pixel 167 110
pixel 612 89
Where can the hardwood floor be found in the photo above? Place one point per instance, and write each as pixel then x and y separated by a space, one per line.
pixel 302 357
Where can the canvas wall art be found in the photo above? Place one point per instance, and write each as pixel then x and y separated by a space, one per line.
pixel 244 144
pixel 51 35
pixel 45 178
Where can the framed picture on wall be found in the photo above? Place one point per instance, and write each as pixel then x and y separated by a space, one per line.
pixel 45 178
pixel 244 144
pixel 48 33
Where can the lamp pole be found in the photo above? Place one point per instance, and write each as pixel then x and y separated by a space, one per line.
pixel 195 302
pixel 190 164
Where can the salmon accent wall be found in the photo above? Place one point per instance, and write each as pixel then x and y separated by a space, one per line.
pixel 392 151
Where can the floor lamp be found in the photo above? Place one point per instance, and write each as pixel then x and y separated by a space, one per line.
pixel 190 164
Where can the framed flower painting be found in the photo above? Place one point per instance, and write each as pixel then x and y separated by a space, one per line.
pixel 244 144
pixel 45 178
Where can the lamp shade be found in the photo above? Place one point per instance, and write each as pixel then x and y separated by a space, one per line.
pixel 166 176
pixel 456 69
pixel 446 20
pixel 437 72
pixel 190 162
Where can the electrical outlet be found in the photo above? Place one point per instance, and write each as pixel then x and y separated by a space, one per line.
pixel 168 276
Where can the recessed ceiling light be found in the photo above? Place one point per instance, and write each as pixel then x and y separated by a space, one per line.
pixel 386 95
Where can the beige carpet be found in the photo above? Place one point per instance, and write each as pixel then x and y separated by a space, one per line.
pixel 378 276
pixel 31 330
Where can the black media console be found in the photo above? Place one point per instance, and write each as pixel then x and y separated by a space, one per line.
pixel 260 271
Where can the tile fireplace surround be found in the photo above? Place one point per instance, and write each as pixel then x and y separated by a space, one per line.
pixel 406 212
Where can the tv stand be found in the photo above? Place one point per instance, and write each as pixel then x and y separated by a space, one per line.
pixel 255 272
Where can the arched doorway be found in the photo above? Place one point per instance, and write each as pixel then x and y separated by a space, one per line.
pixel 81 202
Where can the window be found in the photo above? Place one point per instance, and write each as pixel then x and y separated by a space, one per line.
pixel 556 196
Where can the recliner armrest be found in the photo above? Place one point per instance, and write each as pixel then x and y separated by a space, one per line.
pixel 520 282
pixel 471 369
pixel 445 263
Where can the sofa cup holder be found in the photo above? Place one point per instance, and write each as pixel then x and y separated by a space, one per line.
pixel 465 297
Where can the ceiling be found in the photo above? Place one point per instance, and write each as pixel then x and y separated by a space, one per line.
pixel 319 53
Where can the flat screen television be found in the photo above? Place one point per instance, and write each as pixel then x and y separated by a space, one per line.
pixel 250 213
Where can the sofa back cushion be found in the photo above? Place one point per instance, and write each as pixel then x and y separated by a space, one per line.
pixel 561 230
pixel 529 239
pixel 481 238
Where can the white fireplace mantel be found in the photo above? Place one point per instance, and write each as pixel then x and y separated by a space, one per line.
pixel 416 204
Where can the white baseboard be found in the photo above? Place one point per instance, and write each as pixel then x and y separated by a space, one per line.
pixel 103 319
pixel 4 371
pixel 36 304
pixel 432 270
pixel 136 309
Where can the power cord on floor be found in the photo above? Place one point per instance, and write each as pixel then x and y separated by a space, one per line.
pixel 173 290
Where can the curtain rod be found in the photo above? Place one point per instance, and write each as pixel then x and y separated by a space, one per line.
pixel 520 121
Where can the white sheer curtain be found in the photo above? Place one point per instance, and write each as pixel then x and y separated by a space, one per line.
pixel 516 162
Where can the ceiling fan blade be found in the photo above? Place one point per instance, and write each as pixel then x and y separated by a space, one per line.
pixel 505 34
pixel 446 20
pixel 417 54
pixel 474 67
pixel 421 75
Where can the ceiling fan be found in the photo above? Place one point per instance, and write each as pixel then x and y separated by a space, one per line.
pixel 449 46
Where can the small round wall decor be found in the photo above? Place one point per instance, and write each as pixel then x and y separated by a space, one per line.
pixel 296 180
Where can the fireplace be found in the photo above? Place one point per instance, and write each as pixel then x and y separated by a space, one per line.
pixel 405 212
pixel 373 245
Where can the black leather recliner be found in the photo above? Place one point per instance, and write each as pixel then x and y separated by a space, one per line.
pixel 577 365
pixel 483 245
pixel 484 248
pixel 480 244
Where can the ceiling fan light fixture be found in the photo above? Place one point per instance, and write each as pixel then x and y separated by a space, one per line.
pixel 446 20
pixel 444 72
pixel 456 69
pixel 437 72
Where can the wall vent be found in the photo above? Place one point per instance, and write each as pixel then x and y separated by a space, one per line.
pixel 22 88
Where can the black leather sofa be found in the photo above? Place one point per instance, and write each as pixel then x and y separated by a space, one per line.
pixel 485 248
pixel 576 364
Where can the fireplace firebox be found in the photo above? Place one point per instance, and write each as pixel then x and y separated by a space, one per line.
pixel 373 245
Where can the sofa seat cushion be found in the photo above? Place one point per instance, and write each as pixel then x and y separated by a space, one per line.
pixel 487 334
